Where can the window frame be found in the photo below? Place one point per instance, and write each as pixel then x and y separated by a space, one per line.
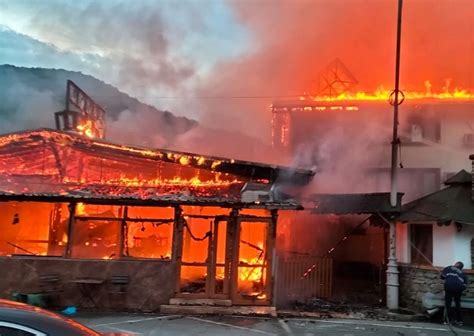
pixel 72 225
pixel 412 243
pixel 21 327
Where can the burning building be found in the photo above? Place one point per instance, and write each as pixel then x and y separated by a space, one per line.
pixel 194 226
pixel 177 225
pixel 348 136
pixel 431 125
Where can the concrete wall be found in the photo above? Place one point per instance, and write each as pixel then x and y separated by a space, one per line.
pixel 418 280
pixel 152 283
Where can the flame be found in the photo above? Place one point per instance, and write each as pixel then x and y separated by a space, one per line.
pixel 384 94
pixel 251 273
pixel 86 129
pixel 80 209
pixel 215 164
pixel 262 296
pixel 184 160
pixel 247 273
pixel 175 181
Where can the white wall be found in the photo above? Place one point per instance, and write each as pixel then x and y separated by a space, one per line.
pixel 463 245
pixel 451 154
pixel 449 246
pixel 444 245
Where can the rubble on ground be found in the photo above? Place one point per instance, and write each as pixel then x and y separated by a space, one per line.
pixel 320 308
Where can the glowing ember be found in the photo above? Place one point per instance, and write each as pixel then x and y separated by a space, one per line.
pixel 80 209
pixel 254 273
pixel 184 160
pixel 86 129
pixel 176 181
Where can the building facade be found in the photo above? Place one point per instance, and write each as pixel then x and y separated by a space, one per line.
pixel 175 225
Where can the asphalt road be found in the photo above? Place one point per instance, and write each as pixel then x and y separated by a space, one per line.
pixel 233 325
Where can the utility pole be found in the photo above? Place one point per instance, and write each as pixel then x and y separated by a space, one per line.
pixel 396 98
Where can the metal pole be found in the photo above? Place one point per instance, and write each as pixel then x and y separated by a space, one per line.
pixel 392 266
pixel 396 102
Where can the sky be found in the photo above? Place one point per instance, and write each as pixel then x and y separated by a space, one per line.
pixel 148 48
pixel 222 62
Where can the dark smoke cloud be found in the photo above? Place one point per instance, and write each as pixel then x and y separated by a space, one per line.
pixel 132 35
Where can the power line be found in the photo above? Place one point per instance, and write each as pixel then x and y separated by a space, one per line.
pixel 210 97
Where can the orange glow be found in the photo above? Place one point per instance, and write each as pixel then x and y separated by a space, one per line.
pixel 175 181
pixel 184 160
pixel 80 209
pixel 251 273
pixel 86 129
pixel 384 94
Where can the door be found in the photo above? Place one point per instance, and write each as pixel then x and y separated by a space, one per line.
pixel 252 280
pixel 205 262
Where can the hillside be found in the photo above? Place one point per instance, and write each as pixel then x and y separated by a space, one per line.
pixel 29 96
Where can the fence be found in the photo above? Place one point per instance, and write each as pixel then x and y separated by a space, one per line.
pixel 292 285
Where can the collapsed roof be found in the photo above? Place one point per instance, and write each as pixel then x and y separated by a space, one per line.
pixel 51 165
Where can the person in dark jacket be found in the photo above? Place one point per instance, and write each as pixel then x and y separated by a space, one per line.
pixel 455 282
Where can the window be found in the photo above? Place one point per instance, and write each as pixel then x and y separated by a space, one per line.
pixel 33 228
pixel 96 231
pixel 421 124
pixel 149 233
pixel 12 329
pixel 41 229
pixel 421 247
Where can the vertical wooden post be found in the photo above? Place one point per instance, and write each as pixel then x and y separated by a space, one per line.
pixel 212 256
pixel 177 244
pixel 70 228
pixel 123 239
pixel 234 235
pixel 271 258
pixel 210 266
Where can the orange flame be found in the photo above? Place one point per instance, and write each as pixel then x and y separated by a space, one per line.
pixel 86 129
pixel 384 94
pixel 175 181
pixel 251 273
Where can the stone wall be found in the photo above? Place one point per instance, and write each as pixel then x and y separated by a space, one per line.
pixel 152 283
pixel 417 280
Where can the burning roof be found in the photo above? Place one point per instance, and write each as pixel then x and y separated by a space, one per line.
pixel 57 165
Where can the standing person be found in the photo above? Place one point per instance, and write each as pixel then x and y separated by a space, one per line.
pixel 455 282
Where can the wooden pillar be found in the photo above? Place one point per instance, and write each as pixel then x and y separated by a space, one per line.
pixel 233 255
pixel 123 238
pixel 271 257
pixel 70 228
pixel 177 244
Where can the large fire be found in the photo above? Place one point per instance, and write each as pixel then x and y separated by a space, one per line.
pixel 160 182
pixel 384 94
pixel 63 164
